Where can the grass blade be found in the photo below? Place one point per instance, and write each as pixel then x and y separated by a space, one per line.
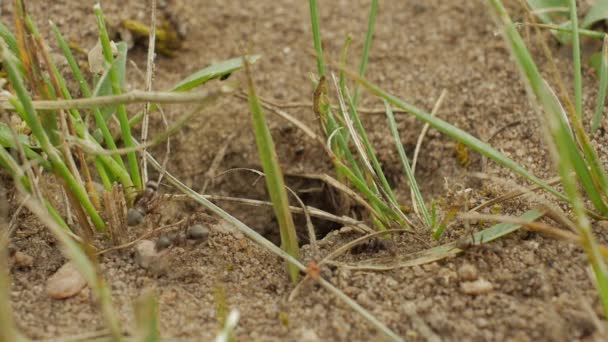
pixel 576 56
pixel 218 70
pixel 31 118
pixel 316 36
pixel 443 251
pixel 86 91
pixel 274 177
pixel 456 134
pixel 601 95
pixel 406 166
pixel 121 112
pixel 566 156
pixel 366 47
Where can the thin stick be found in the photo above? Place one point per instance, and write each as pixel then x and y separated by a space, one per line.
pixel 149 74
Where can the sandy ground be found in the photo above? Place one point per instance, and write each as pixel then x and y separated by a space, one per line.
pixel 540 287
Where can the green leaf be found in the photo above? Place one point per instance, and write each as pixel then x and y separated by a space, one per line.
pixel 544 12
pixel 598 12
pixel 217 70
pixel 6 137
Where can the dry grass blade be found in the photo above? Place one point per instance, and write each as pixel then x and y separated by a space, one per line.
pixel 149 74
pixel 312 211
pixel 535 227
pixel 440 252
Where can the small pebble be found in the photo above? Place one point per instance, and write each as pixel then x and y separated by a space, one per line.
pixel 146 254
pixel 467 272
pixel 134 217
pixel 65 283
pixel 162 243
pixel 477 287
pixel 149 258
pixel 22 260
pixel 197 232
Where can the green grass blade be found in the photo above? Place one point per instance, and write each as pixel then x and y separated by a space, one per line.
pixel 566 167
pixel 274 178
pixel 218 70
pixel 31 118
pixel 371 153
pixel 9 38
pixel 316 36
pixel 601 95
pixel 84 87
pixel 104 83
pixel 125 128
pixel 367 46
pixel 457 134
pixel 576 56
pixel 591 176
pixel 406 166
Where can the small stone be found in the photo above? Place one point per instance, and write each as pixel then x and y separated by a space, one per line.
pixel 308 335
pixel 134 217
pixel 149 258
pixel 197 232
pixel 22 260
pixel 65 283
pixel 162 243
pixel 146 254
pixel 477 287
pixel 467 272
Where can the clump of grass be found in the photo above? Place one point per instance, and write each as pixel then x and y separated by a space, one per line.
pixel 362 170
pixel 571 151
pixel 76 152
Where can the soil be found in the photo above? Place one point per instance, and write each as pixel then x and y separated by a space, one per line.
pixel 541 288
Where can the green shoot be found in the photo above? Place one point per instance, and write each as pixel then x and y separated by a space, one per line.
pixel 576 56
pixel 366 47
pixel 121 110
pixel 316 36
pixel 601 95
pixel 274 177
pixel 406 166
